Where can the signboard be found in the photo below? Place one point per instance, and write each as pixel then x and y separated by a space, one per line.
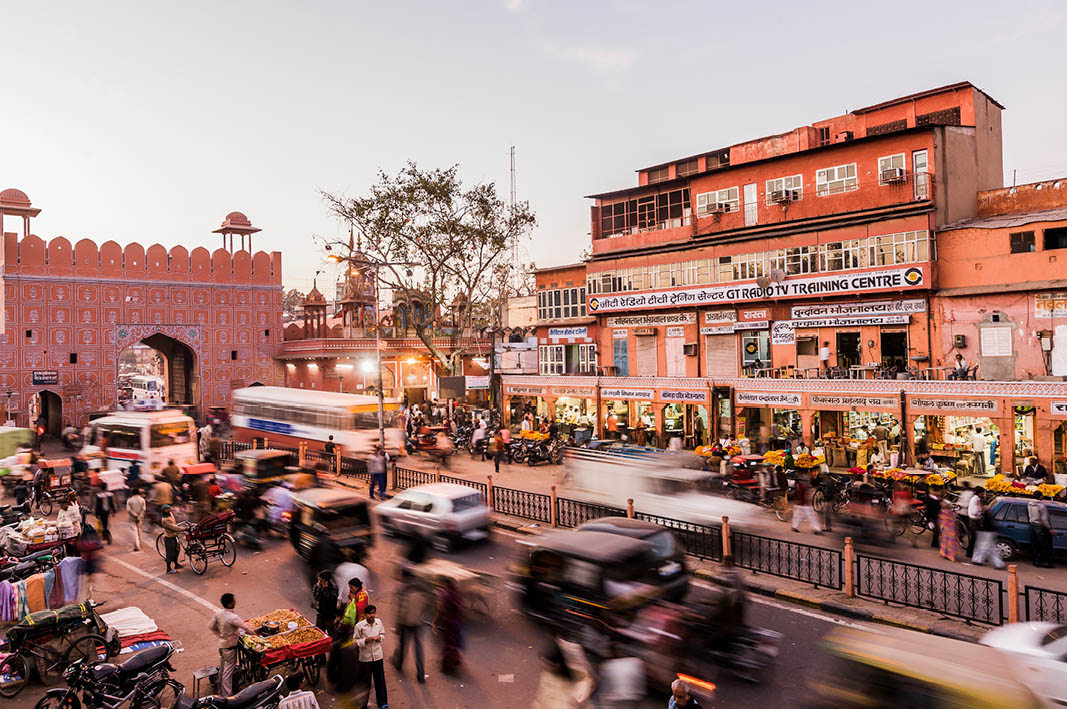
pixel 752 325
pixel 720 316
pixel 717 329
pixel 882 307
pixel 1058 409
pixel 643 394
pixel 978 406
pixel 896 278
pixel 763 314
pixel 756 398
pixel 996 341
pixel 857 402
pixel 557 332
pixel 477 381
pixel 683 395
pixel 579 392
pixel 71 390
pixel 645 331
pixel 271 426
pixel 618 334
pixel 676 332
pixel 782 333
pixel 1050 305
pixel 45 377
pixel 854 321
pixel 651 320
pixel 523 390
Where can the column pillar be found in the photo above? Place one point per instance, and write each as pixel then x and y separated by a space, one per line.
pixel 807 419
pixel 550 408
pixel 657 416
pixel 1006 445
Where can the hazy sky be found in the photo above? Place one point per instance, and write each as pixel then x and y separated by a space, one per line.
pixel 150 121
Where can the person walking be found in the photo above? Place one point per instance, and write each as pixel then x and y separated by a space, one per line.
pixel 828 487
pixel 173 475
pixel 974 520
pixel 171 530
pixel 376 466
pixel 227 625
pixel 985 548
pixel 978 446
pixel 369 634
pixel 133 474
pixel 329 447
pixel 565 683
pixel 324 601
pixel 496 447
pixel 103 506
pixel 802 505
pixel 682 696
pixel 1040 533
pixel 448 626
pixel 355 609
pixel 135 508
pixel 948 541
pixel 412 604
pixel 824 356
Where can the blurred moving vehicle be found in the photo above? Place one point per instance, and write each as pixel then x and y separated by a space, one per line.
pixel 264 466
pixel 152 437
pixel 656 484
pixel 330 525
pixel 665 549
pixel 896 669
pixel 146 386
pixel 293 415
pixel 1039 650
pixel 443 513
pixel 1011 523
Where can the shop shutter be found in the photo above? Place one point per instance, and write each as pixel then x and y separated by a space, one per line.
pixel 722 355
pixel 646 356
pixel 675 356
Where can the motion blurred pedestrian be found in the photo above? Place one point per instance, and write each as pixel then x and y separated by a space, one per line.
pixel 985 548
pixel 324 601
pixel 682 696
pixel 974 519
pixel 171 530
pixel 135 509
pixel 802 505
pixel 448 626
pixel 1040 533
pixel 496 448
pixel 377 465
pixel 949 542
pixel 413 602
pixel 566 682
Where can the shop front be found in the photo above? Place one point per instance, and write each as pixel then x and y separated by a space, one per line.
pixel 1058 424
pixel 628 412
pixel 685 416
pixel 768 420
pixel 523 399
pixel 965 435
pixel 846 426
pixel 574 411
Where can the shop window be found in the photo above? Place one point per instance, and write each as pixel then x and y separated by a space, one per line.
pixel 1021 242
pixel 1056 238
pixel 807 346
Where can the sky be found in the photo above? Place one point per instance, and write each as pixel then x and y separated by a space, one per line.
pixel 144 121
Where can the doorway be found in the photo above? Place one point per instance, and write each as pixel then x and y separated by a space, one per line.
pixel 751 205
pixel 848 349
pixel 895 349
pixel 49 410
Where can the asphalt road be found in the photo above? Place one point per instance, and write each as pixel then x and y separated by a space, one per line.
pixel 502 659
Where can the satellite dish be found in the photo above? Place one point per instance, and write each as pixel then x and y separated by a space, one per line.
pixel 777 275
pixel 763 282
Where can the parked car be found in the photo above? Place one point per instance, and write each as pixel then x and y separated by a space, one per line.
pixel 1012 525
pixel 1040 651
pixel 443 513
pixel 329 526
pixel 668 555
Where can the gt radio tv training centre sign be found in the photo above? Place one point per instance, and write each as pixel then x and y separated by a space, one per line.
pixel 792 288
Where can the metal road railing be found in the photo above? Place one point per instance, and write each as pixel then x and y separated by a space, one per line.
pixel 574 513
pixel 520 503
pixel 406 477
pixel 480 487
pixel 696 539
pixel 1045 605
pixel 792 560
pixel 948 592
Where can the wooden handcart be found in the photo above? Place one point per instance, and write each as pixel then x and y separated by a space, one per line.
pixel 303 648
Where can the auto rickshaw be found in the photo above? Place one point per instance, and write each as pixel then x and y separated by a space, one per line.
pixel 894 669
pixel 264 466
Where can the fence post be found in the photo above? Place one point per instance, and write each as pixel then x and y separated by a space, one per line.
pixel 337 464
pixel 488 493
pixel 553 509
pixel 266 442
pixel 1013 593
pixel 300 459
pixel 850 579
pixel 725 537
pixel 437 473
pixel 630 508
pixel 255 443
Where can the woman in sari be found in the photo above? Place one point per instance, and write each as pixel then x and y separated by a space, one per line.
pixel 949 541
pixel 448 626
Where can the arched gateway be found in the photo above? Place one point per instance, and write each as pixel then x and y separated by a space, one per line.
pixel 71 310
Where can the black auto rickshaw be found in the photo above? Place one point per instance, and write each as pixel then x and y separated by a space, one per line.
pixel 580 579
pixel 263 467
pixel 329 526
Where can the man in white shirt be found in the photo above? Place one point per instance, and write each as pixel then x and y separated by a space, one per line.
pixel 228 626
pixel 368 635
pixel 978 444
pixel 974 519
pixel 297 699
pixel 824 356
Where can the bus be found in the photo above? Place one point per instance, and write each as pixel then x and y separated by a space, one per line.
pixel 152 437
pixel 146 386
pixel 287 416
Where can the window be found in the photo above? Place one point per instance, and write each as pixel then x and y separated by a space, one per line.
pixel 689 167
pixel 748 266
pixel 1022 242
pixel 586 359
pixel 888 169
pixel 619 355
pixel 777 189
pixel 659 175
pixel 73 357
pixel 824 136
pixel 550 359
pixel 795 261
pixel 170 434
pixel 835 180
pixel 919 168
pixel 843 255
pixel 566 302
pixel 1056 238
pixel 906 247
pixel 727 200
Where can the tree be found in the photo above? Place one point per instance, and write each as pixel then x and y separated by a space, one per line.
pixel 291 303
pixel 453 235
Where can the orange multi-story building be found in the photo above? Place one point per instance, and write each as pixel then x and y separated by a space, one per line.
pixel 821 279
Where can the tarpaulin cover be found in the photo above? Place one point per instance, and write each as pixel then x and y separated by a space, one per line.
pixel 44 621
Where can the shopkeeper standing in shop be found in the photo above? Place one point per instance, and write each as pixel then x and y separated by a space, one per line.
pixel 978 444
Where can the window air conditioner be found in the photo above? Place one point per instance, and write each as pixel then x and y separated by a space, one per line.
pixel 689 349
pixel 715 208
pixel 895 174
pixel 780 196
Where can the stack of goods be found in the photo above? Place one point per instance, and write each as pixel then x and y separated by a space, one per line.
pixel 53 586
pixel 284 635
pixel 1002 486
pixel 16 540
pixel 534 435
pixel 136 631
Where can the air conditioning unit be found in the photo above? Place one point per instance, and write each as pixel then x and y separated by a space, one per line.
pixel 895 174
pixel 689 349
pixel 843 136
pixel 780 196
pixel 724 206
pixel 715 208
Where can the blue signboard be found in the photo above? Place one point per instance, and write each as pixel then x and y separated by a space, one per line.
pixel 270 426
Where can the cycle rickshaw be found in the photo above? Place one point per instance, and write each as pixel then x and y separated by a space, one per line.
pixel 207 538
pixel 58 484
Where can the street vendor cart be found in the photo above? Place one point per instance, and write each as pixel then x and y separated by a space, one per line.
pixel 282 637
pixel 474 586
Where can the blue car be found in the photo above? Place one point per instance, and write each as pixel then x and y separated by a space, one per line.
pixel 1012 525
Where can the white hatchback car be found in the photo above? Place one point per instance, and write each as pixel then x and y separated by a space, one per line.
pixel 1040 652
pixel 443 513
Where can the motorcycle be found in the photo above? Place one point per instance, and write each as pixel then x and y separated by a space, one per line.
pixel 550 451
pixel 260 695
pixel 13 514
pixel 478 449
pixel 145 688
pixel 72 439
pixel 520 449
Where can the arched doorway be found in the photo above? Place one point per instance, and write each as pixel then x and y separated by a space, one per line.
pixel 157 369
pixel 47 406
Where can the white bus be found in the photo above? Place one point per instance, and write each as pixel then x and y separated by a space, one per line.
pixel 146 386
pixel 287 416
pixel 152 437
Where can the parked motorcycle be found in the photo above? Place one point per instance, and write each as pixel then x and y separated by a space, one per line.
pixel 260 695
pixel 520 449
pixel 13 514
pixel 550 451
pixel 138 688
